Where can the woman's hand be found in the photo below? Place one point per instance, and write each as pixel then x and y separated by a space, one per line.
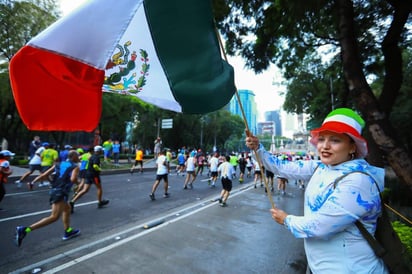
pixel 278 215
pixel 252 142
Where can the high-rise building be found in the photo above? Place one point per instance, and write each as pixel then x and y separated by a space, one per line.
pixel 274 116
pixel 247 99
pixel 266 128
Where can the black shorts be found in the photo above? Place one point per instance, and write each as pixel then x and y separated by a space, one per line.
pixel 35 167
pixel 138 162
pixel 161 176
pixel 269 174
pixel 57 195
pixel 226 184
pixel 214 173
pixel 44 168
pixel 93 180
pixel 82 173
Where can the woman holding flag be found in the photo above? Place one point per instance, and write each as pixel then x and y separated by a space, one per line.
pixel 342 189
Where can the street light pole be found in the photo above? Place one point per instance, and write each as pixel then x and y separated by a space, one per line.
pixel 158 127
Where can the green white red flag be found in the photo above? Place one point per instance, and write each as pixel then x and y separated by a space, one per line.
pixel 164 52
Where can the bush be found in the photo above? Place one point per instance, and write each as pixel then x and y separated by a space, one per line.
pixel 405 235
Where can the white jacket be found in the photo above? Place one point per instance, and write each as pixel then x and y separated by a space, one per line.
pixel 333 244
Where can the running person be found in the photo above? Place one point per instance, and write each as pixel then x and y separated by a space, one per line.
pixel 213 164
pixel 161 174
pixel 181 160
pixel 269 179
pixel 67 173
pixel 226 171
pixel 34 164
pixel 92 177
pixel 258 175
pixel 138 160
pixel 242 167
pixel 190 171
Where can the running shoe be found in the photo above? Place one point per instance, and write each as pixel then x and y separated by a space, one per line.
pixel 20 234
pixel 152 196
pixel 223 204
pixel 166 195
pixel 102 203
pixel 73 233
pixel 18 183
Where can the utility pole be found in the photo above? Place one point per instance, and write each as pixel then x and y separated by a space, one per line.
pixel 158 127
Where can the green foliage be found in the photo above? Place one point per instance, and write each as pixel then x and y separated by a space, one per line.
pixel 304 39
pixel 405 234
pixel 22 20
pixel 19 22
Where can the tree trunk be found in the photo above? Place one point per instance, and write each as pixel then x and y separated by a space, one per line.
pixel 377 121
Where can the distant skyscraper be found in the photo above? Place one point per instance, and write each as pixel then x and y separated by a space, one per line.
pixel 274 116
pixel 266 128
pixel 247 99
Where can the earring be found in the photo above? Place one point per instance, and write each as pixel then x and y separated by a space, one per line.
pixel 352 155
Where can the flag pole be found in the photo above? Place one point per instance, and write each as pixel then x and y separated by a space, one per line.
pixel 248 133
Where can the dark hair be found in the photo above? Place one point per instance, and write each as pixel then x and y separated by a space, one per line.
pixel 227 158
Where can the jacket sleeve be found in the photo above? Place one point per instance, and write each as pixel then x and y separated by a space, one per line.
pixel 355 197
pixel 292 170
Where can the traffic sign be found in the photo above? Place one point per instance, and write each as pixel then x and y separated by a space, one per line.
pixel 167 123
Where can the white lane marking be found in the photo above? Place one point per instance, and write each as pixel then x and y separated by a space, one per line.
pixel 120 242
pixel 40 212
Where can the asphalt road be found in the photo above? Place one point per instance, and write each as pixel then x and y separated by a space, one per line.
pixel 130 208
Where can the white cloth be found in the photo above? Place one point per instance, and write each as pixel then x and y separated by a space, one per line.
pixel 36 160
pixel 213 162
pixel 190 164
pixel 226 170
pixel 162 165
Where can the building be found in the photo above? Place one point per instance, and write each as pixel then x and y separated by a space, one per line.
pixel 247 100
pixel 274 116
pixel 266 128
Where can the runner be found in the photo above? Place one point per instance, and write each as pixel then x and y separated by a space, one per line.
pixel 92 177
pixel 66 175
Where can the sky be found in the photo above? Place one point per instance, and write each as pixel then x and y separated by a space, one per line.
pixel 265 85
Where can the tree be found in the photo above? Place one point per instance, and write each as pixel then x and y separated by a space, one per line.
pixel 292 34
pixel 19 22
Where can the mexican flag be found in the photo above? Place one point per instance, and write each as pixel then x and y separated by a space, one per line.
pixel 165 52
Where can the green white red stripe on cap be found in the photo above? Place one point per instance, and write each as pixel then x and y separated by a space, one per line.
pixel 346 116
pixel 346 121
